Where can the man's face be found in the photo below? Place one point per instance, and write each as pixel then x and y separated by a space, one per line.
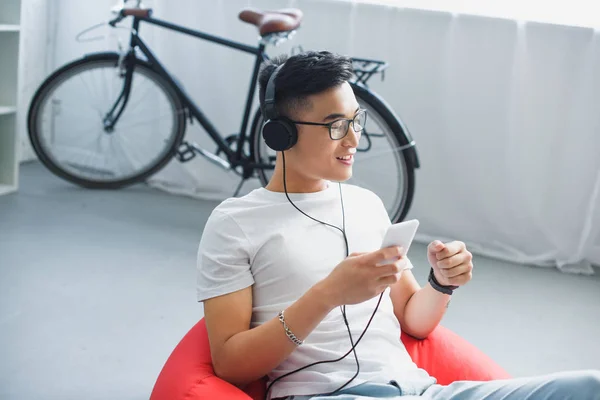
pixel 316 156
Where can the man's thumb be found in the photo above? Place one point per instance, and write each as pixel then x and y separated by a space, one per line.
pixel 436 246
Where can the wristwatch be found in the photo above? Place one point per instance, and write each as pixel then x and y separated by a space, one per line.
pixel 440 288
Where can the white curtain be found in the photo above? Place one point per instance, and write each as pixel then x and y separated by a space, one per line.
pixel 505 112
pixel 36 32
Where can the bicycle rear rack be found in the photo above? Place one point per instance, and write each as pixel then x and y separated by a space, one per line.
pixel 364 69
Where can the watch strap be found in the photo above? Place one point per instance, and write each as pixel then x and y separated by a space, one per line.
pixel 437 286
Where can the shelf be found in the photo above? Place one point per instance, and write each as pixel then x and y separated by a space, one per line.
pixel 5 189
pixel 10 14
pixel 7 110
pixel 10 36
pixel 9 28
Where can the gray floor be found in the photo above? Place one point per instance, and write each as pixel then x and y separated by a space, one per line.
pixel 96 288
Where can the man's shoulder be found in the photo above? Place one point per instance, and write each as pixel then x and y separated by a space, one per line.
pixel 241 210
pixel 229 219
pixel 360 191
pixel 235 205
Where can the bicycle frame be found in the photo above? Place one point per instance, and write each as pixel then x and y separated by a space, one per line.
pixel 363 70
pixel 235 158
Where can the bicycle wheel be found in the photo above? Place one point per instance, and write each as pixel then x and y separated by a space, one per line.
pixel 380 165
pixel 66 127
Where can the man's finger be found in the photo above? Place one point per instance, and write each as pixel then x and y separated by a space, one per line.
pixel 456 271
pixel 461 279
pixel 390 254
pixel 389 280
pixel 450 249
pixel 455 260
pixel 391 268
pixel 435 247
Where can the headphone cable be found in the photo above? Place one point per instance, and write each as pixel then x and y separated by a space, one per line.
pixel 342 308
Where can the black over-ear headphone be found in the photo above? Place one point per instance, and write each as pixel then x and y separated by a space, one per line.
pixel 279 132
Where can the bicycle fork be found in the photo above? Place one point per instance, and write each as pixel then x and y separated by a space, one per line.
pixel 125 67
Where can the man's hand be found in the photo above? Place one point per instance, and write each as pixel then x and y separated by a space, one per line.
pixel 362 276
pixel 452 263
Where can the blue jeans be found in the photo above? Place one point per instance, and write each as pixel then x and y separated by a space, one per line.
pixel 575 385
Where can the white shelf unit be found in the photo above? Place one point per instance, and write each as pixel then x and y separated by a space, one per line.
pixel 10 16
pixel 7 110
pixel 9 28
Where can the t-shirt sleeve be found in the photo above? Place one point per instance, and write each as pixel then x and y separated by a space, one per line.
pixel 223 263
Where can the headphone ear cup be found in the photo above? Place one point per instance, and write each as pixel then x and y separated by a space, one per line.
pixel 279 134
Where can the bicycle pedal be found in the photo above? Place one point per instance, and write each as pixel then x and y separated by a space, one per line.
pixel 185 152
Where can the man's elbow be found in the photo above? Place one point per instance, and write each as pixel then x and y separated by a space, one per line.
pixel 224 371
pixel 417 332
pixel 419 335
pixel 219 369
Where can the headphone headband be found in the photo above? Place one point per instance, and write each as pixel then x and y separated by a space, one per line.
pixel 270 108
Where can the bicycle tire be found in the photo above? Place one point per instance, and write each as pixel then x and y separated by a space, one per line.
pixel 399 134
pixel 84 64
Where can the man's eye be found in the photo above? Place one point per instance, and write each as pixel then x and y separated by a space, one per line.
pixel 337 125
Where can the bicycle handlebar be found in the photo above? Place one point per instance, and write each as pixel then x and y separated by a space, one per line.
pixel 121 12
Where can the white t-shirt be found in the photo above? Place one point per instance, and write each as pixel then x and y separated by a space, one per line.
pixel 261 240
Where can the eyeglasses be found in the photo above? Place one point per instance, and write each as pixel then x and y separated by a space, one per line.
pixel 338 129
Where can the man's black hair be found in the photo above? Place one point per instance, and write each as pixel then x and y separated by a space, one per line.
pixel 303 75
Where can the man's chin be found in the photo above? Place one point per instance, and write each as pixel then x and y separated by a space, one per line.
pixel 342 177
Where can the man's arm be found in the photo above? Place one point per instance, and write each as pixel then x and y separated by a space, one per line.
pixel 233 343
pixel 419 310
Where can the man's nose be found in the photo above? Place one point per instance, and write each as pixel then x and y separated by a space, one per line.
pixel 352 138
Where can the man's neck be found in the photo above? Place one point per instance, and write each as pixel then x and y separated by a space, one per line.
pixel 294 182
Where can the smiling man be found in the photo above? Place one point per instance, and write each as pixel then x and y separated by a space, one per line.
pixel 289 273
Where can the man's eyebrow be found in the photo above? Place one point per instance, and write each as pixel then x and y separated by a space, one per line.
pixel 338 115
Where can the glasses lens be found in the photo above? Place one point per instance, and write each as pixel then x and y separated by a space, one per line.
pixel 339 129
pixel 359 121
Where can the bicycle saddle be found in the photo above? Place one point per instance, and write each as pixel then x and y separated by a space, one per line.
pixel 283 20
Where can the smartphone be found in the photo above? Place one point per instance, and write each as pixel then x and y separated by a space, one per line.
pixel 400 234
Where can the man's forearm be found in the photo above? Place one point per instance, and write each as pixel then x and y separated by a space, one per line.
pixel 424 311
pixel 249 355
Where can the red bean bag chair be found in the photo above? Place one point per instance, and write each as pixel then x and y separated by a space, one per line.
pixel 188 373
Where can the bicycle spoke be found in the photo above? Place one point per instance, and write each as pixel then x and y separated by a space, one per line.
pixel 77 118
pixel 73 136
pixel 80 134
pixel 145 121
pixel 96 107
pixel 144 95
pixel 136 148
pixel 104 86
pixel 126 163
pixel 67 109
pixel 84 133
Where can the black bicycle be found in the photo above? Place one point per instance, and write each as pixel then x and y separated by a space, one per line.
pixel 112 119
